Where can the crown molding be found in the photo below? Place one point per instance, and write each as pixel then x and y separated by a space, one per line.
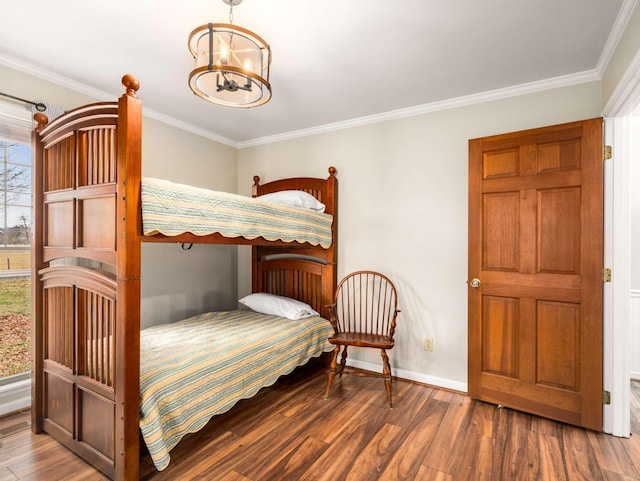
pixel 619 26
pixel 488 96
pixel 179 124
pixel 626 95
pixel 21 65
pixel 16 63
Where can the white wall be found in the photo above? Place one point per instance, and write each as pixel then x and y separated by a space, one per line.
pixel 403 211
pixel 179 283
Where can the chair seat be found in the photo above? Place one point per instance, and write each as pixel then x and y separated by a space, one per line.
pixel 362 340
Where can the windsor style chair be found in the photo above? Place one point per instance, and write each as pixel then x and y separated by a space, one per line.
pixel 363 315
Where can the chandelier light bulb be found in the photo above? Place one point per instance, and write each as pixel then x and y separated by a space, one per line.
pixel 224 54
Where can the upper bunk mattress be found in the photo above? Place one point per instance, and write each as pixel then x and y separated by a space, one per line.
pixel 172 209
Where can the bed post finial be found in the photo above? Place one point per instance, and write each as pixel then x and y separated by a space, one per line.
pixel 332 171
pixel 254 187
pixel 130 84
pixel 41 121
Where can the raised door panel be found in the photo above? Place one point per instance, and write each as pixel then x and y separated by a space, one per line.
pixel 554 156
pixel 558 345
pixel 500 355
pixel 501 163
pixel 558 229
pixel 501 212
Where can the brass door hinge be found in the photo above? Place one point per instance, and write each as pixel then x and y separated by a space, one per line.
pixel 606 397
pixel 607 152
pixel 606 275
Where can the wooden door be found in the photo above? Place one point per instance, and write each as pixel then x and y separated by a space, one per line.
pixel 536 260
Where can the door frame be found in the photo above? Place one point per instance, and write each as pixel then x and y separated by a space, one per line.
pixel 617 255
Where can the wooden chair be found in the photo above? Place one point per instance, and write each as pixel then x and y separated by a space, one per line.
pixel 364 315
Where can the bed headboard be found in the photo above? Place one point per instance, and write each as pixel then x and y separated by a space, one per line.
pixel 325 190
pixel 303 272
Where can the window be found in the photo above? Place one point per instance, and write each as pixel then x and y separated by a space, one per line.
pixel 15 245
pixel 15 194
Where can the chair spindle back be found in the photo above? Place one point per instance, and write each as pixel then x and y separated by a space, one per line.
pixel 366 301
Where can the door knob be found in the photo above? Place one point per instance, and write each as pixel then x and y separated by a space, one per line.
pixel 475 282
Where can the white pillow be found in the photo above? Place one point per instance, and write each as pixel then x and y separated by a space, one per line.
pixel 294 198
pixel 278 306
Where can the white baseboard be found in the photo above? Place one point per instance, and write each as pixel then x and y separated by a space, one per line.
pixel 15 396
pixel 412 376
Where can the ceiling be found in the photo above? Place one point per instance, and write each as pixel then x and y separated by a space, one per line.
pixel 335 62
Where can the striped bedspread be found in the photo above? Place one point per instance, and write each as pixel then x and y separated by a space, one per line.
pixel 199 367
pixel 172 209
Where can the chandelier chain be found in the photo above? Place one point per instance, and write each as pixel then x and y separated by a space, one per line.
pixel 231 23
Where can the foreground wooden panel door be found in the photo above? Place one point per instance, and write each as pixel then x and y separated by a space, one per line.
pixel 535 271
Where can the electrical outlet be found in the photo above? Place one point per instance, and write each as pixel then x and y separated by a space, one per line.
pixel 428 344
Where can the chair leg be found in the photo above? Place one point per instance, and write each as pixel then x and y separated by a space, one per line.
pixel 332 369
pixel 343 361
pixel 386 372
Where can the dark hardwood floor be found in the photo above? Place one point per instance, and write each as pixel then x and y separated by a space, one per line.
pixel 289 432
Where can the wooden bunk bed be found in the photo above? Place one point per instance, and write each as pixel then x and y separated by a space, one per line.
pixel 88 230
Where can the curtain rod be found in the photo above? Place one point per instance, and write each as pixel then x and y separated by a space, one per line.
pixel 40 107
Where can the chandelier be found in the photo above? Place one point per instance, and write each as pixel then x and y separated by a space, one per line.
pixel 231 64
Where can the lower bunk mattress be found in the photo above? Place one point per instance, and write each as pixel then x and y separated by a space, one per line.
pixel 194 369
